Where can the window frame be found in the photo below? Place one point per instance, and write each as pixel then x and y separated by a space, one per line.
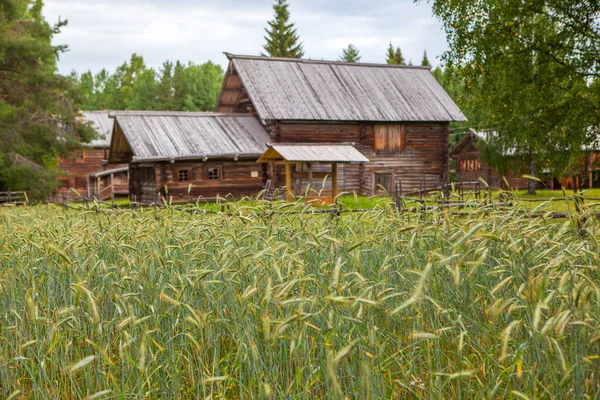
pixel 83 156
pixel 188 173
pixel 209 168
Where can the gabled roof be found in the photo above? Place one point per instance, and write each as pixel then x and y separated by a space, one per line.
pixel 483 134
pixel 154 136
pixel 103 125
pixel 293 89
pixel 306 152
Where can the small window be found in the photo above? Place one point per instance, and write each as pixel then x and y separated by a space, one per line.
pixel 79 156
pixel 213 174
pixel 183 175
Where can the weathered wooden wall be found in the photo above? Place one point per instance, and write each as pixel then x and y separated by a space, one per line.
pixel 237 178
pixel 77 170
pixel 233 97
pixel 488 174
pixel 423 159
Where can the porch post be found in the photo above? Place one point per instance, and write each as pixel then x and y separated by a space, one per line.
pixel 310 175
pixel 334 181
pixel 289 196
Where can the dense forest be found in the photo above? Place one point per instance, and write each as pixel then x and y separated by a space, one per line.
pixel 135 86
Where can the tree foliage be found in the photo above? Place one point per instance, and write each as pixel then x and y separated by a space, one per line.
pixel 350 54
pixel 38 107
pixel 531 68
pixel 282 38
pixel 394 56
pixel 425 62
pixel 134 86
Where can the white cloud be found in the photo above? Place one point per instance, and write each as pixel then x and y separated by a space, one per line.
pixel 104 33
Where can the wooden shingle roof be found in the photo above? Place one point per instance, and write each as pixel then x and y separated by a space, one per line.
pixel 307 90
pixel 103 125
pixel 307 152
pixel 154 136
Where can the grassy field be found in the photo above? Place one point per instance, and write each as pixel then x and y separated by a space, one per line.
pixel 175 304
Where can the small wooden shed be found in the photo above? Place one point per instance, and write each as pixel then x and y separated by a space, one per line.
pixel 296 156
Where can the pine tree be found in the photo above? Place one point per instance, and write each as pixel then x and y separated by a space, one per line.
pixel 394 56
pixel 38 107
pixel 282 39
pixel 425 61
pixel 350 54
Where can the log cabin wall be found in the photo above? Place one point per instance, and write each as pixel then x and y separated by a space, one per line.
pixel 469 168
pixel 417 154
pixel 80 165
pixel 184 181
pixel 233 97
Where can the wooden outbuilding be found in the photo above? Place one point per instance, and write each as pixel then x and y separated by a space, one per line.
pixel 91 159
pixel 470 167
pixel 187 155
pixel 295 157
pixel 398 117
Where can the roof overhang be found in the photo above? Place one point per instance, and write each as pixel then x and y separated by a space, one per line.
pixel 198 157
pixel 312 153
pixel 110 172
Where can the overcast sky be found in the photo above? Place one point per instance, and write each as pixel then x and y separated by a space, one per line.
pixel 104 33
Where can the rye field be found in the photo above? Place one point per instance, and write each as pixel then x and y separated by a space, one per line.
pixel 280 302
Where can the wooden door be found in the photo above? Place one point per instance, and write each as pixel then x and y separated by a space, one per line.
pixel 383 180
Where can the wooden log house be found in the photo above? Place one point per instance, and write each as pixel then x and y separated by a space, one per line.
pixel 398 117
pixel 81 167
pixel 187 155
pixel 470 167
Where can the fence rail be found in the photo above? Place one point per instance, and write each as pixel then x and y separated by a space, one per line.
pixel 15 198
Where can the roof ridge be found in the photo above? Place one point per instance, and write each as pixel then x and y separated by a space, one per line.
pixel 326 62
pixel 127 113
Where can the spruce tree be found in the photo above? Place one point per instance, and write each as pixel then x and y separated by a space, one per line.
pixel 282 39
pixel 350 54
pixel 425 61
pixel 394 56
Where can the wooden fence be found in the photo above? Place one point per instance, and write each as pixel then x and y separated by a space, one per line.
pixel 14 198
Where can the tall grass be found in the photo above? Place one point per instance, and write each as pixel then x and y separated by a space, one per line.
pixel 165 303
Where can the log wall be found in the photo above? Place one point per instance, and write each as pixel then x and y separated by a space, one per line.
pixel 150 182
pixel 77 169
pixel 423 159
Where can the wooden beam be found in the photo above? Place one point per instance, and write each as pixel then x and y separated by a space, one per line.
pixel 310 175
pixel 289 196
pixel 334 181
